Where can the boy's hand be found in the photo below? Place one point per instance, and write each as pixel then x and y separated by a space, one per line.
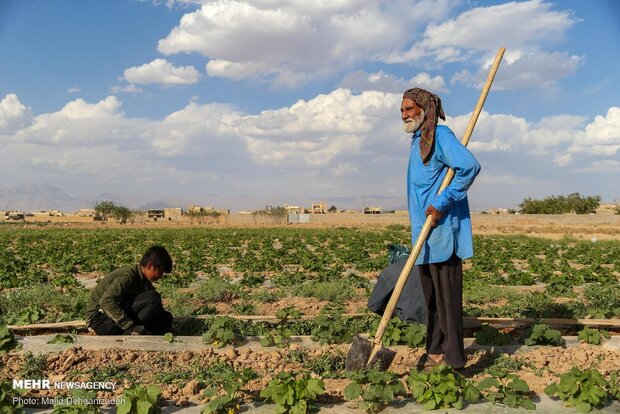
pixel 435 214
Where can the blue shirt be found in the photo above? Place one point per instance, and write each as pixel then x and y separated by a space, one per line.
pixel 453 232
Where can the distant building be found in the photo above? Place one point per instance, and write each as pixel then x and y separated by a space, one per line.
pixel 372 210
pixel 155 214
pixel 15 215
pixel 293 209
pixel 86 212
pixel 173 214
pixel 319 208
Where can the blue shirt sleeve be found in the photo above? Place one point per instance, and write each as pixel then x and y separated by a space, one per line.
pixel 452 153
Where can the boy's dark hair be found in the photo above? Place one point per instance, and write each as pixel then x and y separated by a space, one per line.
pixel 160 258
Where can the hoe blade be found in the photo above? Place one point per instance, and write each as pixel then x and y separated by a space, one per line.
pixel 359 355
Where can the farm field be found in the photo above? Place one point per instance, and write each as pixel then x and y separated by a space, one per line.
pixel 318 272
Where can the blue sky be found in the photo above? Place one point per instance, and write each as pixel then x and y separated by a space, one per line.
pixel 239 104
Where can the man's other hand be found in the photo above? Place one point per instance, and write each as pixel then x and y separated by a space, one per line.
pixel 137 330
pixel 435 214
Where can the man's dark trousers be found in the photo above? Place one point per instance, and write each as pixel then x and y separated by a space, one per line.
pixel 145 308
pixel 442 284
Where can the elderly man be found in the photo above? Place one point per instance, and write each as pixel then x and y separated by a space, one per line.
pixel 434 150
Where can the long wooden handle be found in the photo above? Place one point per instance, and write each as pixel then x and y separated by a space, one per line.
pixel 404 275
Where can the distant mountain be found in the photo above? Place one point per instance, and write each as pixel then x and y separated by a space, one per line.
pixel 36 197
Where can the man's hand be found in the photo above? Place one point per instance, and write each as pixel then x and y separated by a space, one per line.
pixel 435 214
pixel 137 330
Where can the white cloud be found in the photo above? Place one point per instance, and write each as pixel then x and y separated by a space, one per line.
pixel 338 143
pixel 161 71
pixel 13 115
pixel 131 88
pixel 525 28
pixel 74 89
pixel 515 25
pixel 528 70
pixel 295 41
pixel 360 80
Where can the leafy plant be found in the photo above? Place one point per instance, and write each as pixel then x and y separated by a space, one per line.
pixel 441 388
pixel 231 383
pixel 6 400
pixel 78 404
pixel 376 389
pixel 140 400
pixel 332 329
pixel 170 338
pixel 252 280
pixel 542 334
pixel 488 335
pixel 504 365
pixel 222 332
pixel 244 309
pixel 62 339
pixel 398 332
pixel 509 390
pixel 593 336
pixel 280 335
pixel 33 366
pixel 584 390
pixel 7 339
pixel 293 393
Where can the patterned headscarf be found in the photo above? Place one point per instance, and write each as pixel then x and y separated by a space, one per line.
pixel 431 104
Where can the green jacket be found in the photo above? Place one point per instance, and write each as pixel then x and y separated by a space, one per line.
pixel 112 289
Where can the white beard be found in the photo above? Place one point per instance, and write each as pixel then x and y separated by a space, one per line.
pixel 411 125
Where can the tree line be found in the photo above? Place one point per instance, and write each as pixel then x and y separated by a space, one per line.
pixel 560 204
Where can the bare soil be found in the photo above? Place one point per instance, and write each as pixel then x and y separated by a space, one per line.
pixel 183 375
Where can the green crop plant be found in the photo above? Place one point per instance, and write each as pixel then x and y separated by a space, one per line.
pixel 140 399
pixel 504 365
pixel 488 335
pixel 7 339
pixel 222 332
pixel 280 335
pixel 62 339
pixel 508 390
pixel 33 366
pixel 584 390
pixel 541 334
pixel 79 402
pixel 293 393
pixel 375 388
pixel 224 395
pixel 7 406
pixel 442 387
pixel 401 333
pixel 332 329
pixel 593 336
